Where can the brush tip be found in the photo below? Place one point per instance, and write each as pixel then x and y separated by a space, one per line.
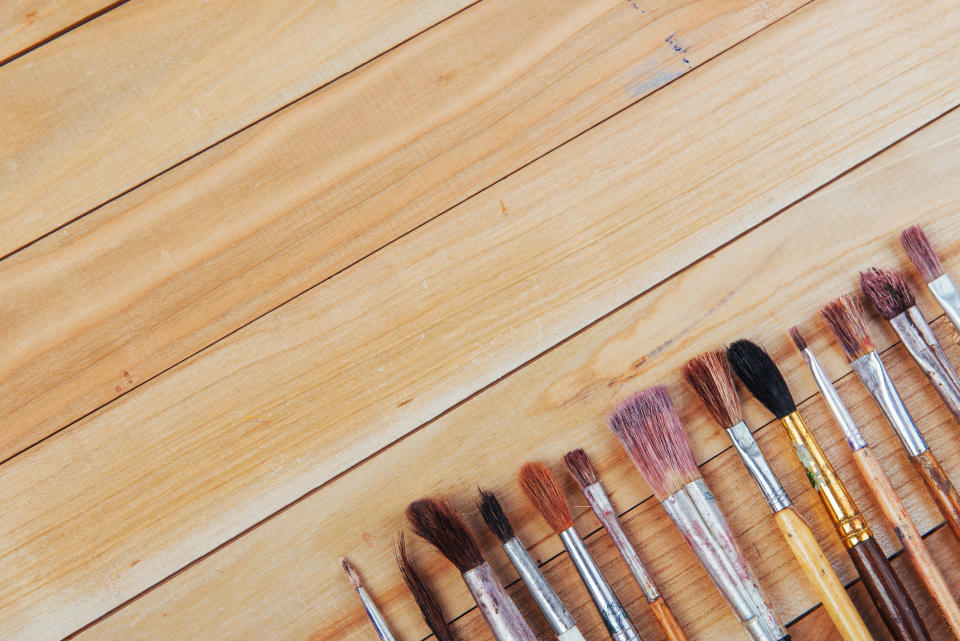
pixel 844 318
pixel 354 577
pixel 543 490
pixel 921 253
pixel 494 516
pixel 436 522
pixel 887 291
pixel 424 596
pixel 710 377
pixel 762 377
pixel 581 469
pixel 798 338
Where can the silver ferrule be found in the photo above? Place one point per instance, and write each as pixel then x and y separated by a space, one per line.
pixel 547 600
pixel 496 606
pixel 925 348
pixel 756 464
pixel 947 295
pixel 608 605
pixel 600 502
pixel 839 411
pixel 875 378
pixel 379 623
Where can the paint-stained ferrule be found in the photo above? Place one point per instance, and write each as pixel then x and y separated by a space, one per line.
pixel 543 593
pixel 379 623
pixel 834 403
pixel 496 606
pixel 753 459
pixel 947 295
pixel 875 378
pixel 925 348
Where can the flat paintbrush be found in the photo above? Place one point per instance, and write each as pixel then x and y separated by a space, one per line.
pixel 882 488
pixel 710 377
pixel 583 472
pixel 423 594
pixel 650 431
pixel 762 377
pixel 927 262
pixel 373 613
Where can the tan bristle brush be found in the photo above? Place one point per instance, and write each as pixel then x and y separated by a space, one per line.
pixel 439 524
pixel 422 593
pixel 583 472
pixel 882 488
pixel 376 618
pixel 845 319
pixel 760 374
pixel 891 296
pixel 710 377
pixel 927 262
pixel 650 431
pixel 543 490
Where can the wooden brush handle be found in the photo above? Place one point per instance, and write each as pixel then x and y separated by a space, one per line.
pixel 908 534
pixel 941 489
pixel 888 594
pixel 820 574
pixel 667 621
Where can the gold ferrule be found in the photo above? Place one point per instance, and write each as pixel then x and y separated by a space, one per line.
pixel 850 523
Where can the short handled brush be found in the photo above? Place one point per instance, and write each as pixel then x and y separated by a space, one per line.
pixel 927 262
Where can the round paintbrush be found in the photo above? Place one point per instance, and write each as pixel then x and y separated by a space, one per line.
pixel 373 613
pixel 423 594
pixel 925 259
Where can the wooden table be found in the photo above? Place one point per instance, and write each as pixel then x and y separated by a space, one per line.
pixel 272 270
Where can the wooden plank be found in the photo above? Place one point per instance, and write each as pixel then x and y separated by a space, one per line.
pixel 232 435
pixel 328 203
pixel 25 23
pixel 126 96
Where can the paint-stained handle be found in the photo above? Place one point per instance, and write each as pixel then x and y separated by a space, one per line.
pixel 667 620
pixel 820 574
pixel 887 592
pixel 940 487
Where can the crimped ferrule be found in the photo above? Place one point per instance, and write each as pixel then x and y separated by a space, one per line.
pixel 379 623
pixel 746 445
pixel 543 593
pixel 925 348
pixel 874 376
pixel 834 403
pixel 496 606
pixel 947 295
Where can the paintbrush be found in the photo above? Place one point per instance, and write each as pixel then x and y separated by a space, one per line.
pixel 927 262
pixel 376 618
pixel 583 472
pixel 710 377
pixel 438 523
pixel 560 620
pixel 845 319
pixel 882 488
pixel 762 377
pixel 890 295
pixel 648 427
pixel 423 594
pixel 543 490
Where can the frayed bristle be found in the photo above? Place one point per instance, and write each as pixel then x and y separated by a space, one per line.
pixel 921 253
pixel 710 377
pixel 798 338
pixel 581 469
pixel 422 593
pixel 844 317
pixel 650 430
pixel 494 516
pixel 543 490
pixel 354 577
pixel 761 376
pixel 438 524
pixel 887 291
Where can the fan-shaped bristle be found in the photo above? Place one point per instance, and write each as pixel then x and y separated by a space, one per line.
pixel 762 377
pixel 710 377
pixel 494 516
pixel 543 490
pixel 354 577
pixel 581 469
pixel 439 524
pixel 844 317
pixel 423 594
pixel 887 291
pixel 921 253
pixel 650 430
pixel 798 339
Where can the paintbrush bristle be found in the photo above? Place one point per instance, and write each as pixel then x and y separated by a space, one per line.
pixel 650 430
pixel 543 490
pixel 439 525
pixel 761 376
pixel 798 338
pixel 354 577
pixel 887 291
pixel 581 469
pixel 921 253
pixel 844 317
pixel 494 516
pixel 710 377
pixel 422 593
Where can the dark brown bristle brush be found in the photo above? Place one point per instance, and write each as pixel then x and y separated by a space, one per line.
pixel 927 262
pixel 543 491
pixel 710 377
pixel 760 374
pixel 422 593
pixel 373 613
pixel 583 472
pixel 439 524
pixel 649 429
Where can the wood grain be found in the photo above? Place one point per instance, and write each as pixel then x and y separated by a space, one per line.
pixel 741 290
pixel 24 23
pixel 293 205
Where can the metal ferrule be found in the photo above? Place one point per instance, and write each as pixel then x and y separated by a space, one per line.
pixel 611 611
pixel 758 467
pixel 379 623
pixel 600 502
pixel 925 348
pixel 553 609
pixel 875 378
pixel 496 606
pixel 834 403
pixel 846 517
pixel 947 295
